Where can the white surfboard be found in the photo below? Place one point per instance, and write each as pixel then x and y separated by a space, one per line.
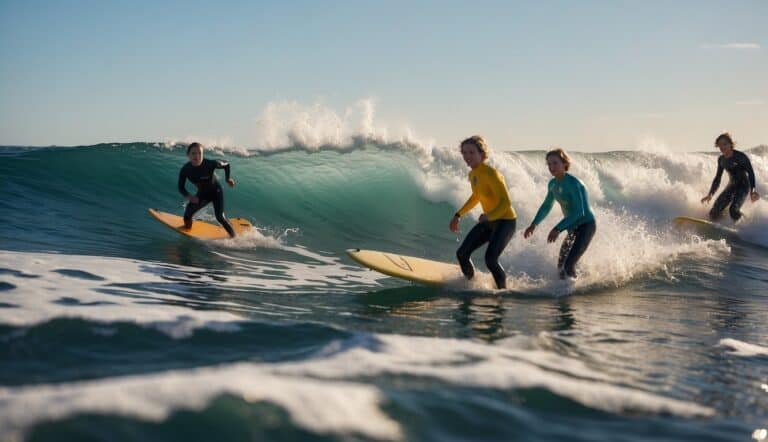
pixel 703 225
pixel 410 268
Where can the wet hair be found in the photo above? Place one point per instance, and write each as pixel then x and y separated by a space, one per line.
pixel 479 143
pixel 194 145
pixel 725 136
pixel 560 153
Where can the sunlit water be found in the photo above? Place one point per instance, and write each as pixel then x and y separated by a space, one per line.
pixel 114 327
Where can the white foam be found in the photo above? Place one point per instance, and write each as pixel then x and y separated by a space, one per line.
pixel 633 194
pixel 39 299
pixel 119 293
pixel 329 393
pixel 503 366
pixel 743 348
pixel 320 406
pixel 219 145
pixel 254 239
pixel 283 125
pixel 122 288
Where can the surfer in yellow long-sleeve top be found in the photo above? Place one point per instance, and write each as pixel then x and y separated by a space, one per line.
pixel 497 223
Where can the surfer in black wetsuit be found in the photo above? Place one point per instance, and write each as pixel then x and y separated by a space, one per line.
pixel 201 173
pixel 741 180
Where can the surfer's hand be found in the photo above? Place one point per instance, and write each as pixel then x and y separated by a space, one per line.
pixel 231 182
pixel 529 231
pixel 706 199
pixel 553 235
pixel 193 199
pixel 483 218
pixel 454 225
pixel 754 196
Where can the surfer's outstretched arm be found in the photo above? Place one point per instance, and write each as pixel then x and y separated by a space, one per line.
pixel 471 202
pixel 221 164
pixel 715 182
pixel 747 165
pixel 542 213
pixel 182 182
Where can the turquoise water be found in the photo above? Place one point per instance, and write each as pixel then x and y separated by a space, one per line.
pixel 113 327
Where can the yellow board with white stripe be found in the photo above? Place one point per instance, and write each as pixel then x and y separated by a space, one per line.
pixel 410 268
pixel 201 229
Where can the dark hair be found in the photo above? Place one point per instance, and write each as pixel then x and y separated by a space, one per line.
pixel 193 145
pixel 725 136
pixel 479 143
pixel 560 153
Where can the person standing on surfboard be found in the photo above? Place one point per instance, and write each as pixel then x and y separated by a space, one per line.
pixel 497 223
pixel 579 220
pixel 741 180
pixel 201 172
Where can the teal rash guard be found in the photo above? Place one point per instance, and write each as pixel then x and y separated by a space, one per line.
pixel 571 194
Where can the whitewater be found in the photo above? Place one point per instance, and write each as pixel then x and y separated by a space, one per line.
pixel 114 327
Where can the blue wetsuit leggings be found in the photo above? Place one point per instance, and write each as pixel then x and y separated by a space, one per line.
pixel 574 245
pixel 497 234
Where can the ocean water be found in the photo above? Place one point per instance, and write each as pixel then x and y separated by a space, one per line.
pixel 113 327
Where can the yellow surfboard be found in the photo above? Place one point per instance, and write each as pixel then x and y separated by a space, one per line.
pixel 420 270
pixel 703 225
pixel 200 229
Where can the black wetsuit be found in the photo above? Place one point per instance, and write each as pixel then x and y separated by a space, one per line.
pixel 208 190
pixel 741 179
pixel 574 245
pixel 497 234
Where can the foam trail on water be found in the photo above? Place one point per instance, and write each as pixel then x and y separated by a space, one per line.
pixel 116 289
pixel 98 288
pixel 741 348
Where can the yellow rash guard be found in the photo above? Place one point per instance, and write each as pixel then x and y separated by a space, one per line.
pixel 490 190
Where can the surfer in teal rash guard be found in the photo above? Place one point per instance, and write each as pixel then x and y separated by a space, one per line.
pixel 741 180
pixel 579 220
pixel 201 173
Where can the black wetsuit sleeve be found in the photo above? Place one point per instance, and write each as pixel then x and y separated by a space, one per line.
pixel 221 164
pixel 718 176
pixel 182 181
pixel 747 165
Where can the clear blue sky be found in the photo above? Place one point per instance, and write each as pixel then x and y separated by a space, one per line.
pixel 586 75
